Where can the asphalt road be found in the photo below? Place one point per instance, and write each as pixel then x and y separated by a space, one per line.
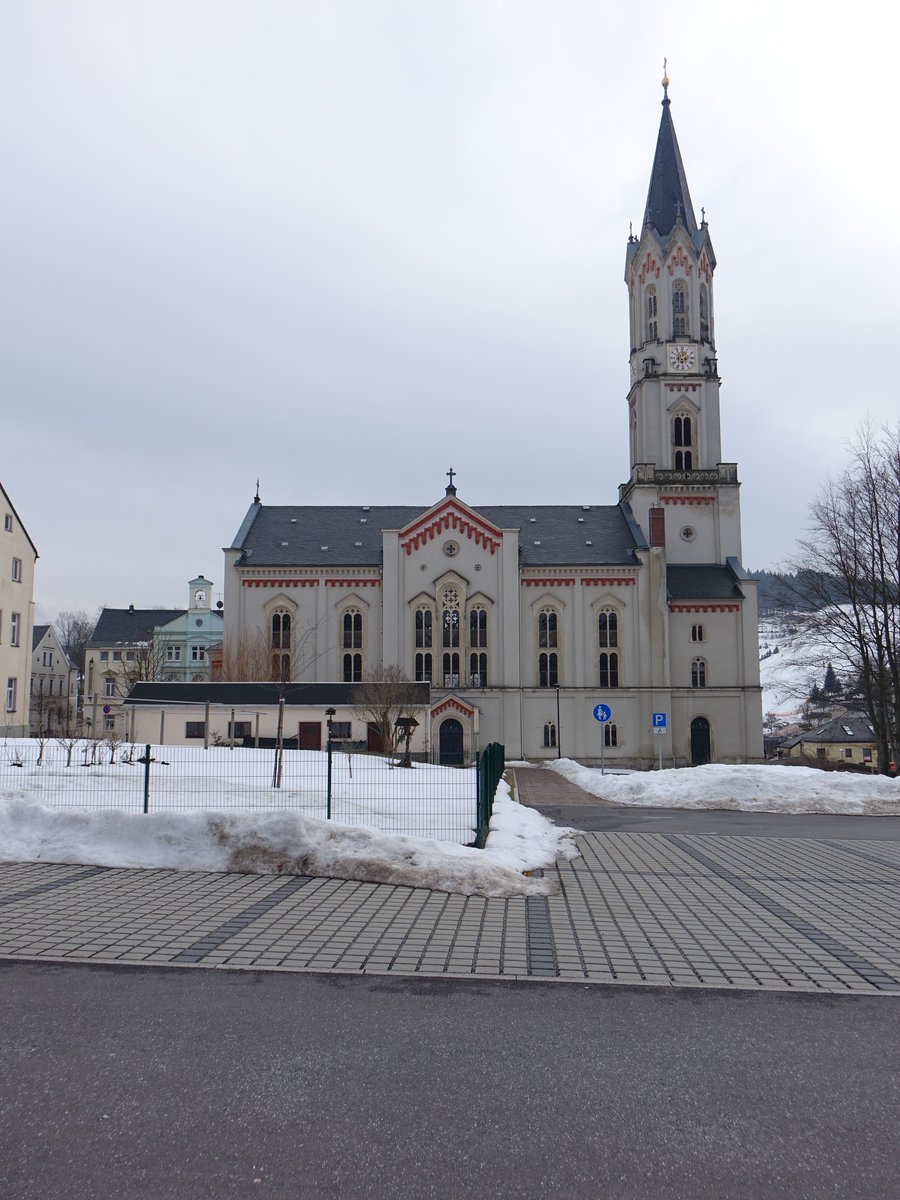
pixel 607 819
pixel 158 1083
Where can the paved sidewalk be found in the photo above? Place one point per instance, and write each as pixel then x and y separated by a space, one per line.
pixel 637 908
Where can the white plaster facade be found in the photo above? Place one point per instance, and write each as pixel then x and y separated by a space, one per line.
pixel 53 691
pixel 539 613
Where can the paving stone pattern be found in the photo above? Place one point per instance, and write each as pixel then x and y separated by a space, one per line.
pixel 635 908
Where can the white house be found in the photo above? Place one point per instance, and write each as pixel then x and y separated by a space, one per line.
pixel 525 618
pixel 53 691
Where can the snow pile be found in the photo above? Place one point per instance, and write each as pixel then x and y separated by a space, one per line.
pixel 748 788
pixel 289 842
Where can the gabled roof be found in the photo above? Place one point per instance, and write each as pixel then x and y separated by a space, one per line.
pixel 668 198
pixel 130 626
pixel 323 536
pixel 18 518
pixel 846 729
pixel 38 633
pixel 249 695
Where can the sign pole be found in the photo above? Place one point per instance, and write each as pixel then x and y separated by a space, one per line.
pixel 659 740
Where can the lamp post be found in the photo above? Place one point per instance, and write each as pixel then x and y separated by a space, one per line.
pixel 329 717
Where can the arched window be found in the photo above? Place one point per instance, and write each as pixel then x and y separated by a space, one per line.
pixel 450 665
pixel 547 628
pixel 353 633
pixel 698 673
pixel 450 620
pixel 650 312
pixel 353 668
pixel 608 629
pixel 424 622
pixel 683 441
pixel 610 734
pixel 478 627
pixel 704 313
pixel 697 633
pixel 680 325
pixel 550 734
pixel 548 672
pixel 281 630
pixel 423 668
pixel 478 670
pixel 609 670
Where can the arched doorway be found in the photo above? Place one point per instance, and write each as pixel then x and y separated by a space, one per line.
pixel 700 742
pixel 450 743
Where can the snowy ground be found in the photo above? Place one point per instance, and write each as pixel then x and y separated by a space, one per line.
pixel 209 814
pixel 766 788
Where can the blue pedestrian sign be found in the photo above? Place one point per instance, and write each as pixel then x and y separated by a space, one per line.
pixel 602 713
pixel 659 722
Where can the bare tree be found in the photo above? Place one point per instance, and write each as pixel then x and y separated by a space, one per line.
pixel 74 630
pixel 253 656
pixel 389 700
pixel 848 572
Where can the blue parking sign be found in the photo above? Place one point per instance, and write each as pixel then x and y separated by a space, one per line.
pixel 659 720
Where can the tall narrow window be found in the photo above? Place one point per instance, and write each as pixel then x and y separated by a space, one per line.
pixel 698 673
pixel 450 664
pixel 704 313
pixel 423 668
pixel 548 673
pixel 424 623
pixel 17 570
pixel 450 621
pixel 609 670
pixel 697 633
pixel 281 645
pixel 651 322
pixel 478 670
pixel 352 629
pixel 547 628
pixel 352 668
pixel 608 629
pixel 683 442
pixel 679 309
pixel 11 694
pixel 550 734
pixel 15 628
pixel 610 735
pixel 478 627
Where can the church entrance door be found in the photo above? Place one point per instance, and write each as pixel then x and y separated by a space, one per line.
pixel 451 743
pixel 700 742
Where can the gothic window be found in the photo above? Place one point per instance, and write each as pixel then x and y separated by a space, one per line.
pixel 608 629
pixel 609 670
pixel 478 670
pixel 424 623
pixel 547 628
pixel 352 637
pixel 353 668
pixel 679 309
pixel 281 644
pixel 550 734
pixel 477 627
pixel 697 633
pixel 698 673
pixel 450 669
pixel 704 313
pixel 548 672
pixel 683 441
pixel 423 668
pixel 450 621
pixel 610 735
pixel 650 306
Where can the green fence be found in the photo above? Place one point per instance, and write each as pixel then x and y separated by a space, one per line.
pixel 490 772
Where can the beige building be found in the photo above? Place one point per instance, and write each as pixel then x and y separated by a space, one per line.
pixel 847 740
pixel 53 691
pixel 619 630
pixel 18 555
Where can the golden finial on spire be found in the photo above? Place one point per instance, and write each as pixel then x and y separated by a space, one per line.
pixel 665 78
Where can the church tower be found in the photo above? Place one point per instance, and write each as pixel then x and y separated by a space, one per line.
pixel 675 445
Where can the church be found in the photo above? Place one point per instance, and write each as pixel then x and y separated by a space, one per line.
pixel 621 632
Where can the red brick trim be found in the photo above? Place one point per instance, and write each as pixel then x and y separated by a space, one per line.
pixel 687 499
pixel 447 517
pixel 529 582
pixel 607 580
pixel 279 583
pixel 452 703
pixel 704 608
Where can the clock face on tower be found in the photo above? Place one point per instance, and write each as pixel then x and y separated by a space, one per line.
pixel 681 358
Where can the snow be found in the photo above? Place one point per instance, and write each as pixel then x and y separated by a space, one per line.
pixel 768 788
pixel 239 831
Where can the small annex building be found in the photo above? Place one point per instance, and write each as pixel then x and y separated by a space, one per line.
pixel 847 740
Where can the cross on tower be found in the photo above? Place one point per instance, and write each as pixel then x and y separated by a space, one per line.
pixel 451 473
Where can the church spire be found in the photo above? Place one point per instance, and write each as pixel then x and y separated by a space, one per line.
pixel 668 200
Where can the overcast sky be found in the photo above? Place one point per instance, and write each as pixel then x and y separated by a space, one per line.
pixel 342 245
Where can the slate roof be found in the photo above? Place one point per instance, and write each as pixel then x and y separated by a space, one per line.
pixel 702 581
pixel 128 626
pixel 250 695
pixel 834 732
pixel 36 634
pixel 668 182
pixel 549 535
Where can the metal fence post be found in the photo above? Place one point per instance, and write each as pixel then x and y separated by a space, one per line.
pixel 328 799
pixel 146 779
